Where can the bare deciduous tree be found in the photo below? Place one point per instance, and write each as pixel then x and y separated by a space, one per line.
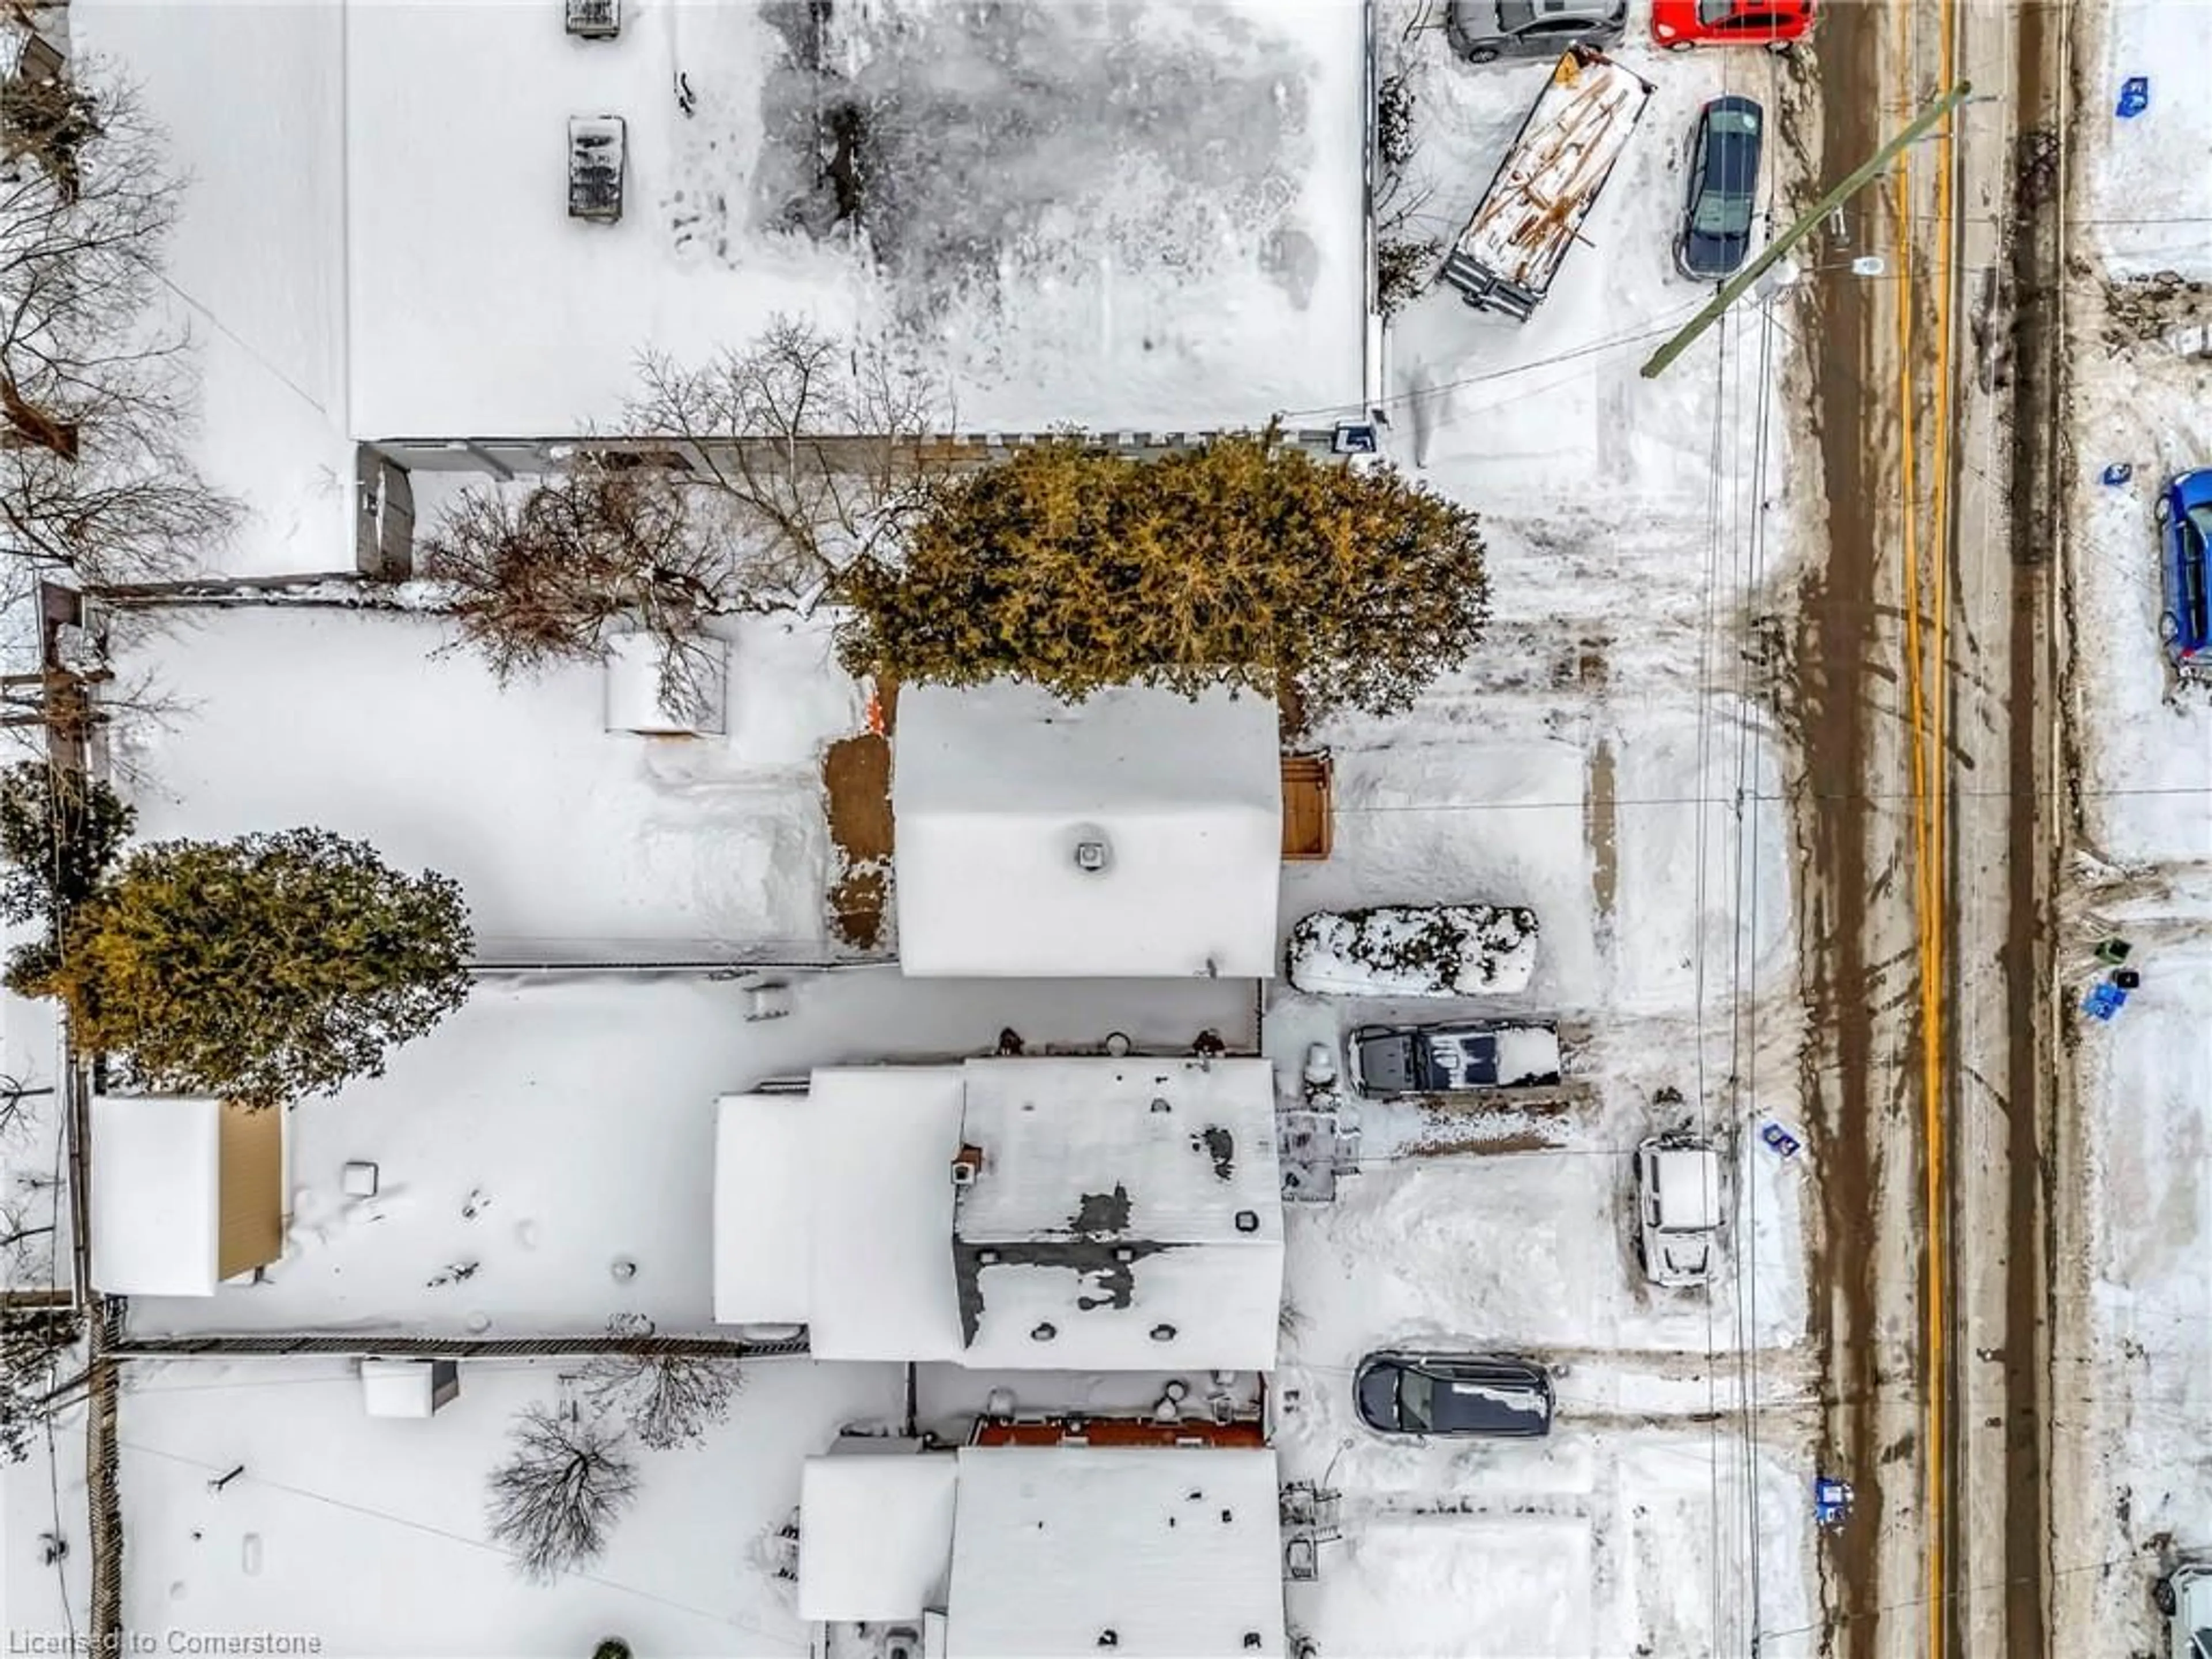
pixel 818 444
pixel 554 576
pixel 564 1484
pixel 94 398
pixel 668 1400
pixel 32 1340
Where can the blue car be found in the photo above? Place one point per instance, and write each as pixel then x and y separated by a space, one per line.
pixel 2185 517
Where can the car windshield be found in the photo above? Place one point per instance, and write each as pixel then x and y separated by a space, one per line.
pixel 1514 15
pixel 1416 1392
pixel 1713 12
pixel 2196 531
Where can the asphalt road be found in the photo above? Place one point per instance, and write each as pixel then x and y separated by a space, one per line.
pixel 1923 662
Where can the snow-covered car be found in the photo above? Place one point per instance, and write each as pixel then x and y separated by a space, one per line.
pixel 1678 1208
pixel 2184 1596
pixel 1414 951
pixel 1467 1057
pixel 1469 1394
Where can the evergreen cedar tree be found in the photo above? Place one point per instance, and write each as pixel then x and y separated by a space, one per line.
pixel 1243 561
pixel 59 831
pixel 260 969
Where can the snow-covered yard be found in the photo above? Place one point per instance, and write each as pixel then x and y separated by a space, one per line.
pixel 1111 216
pixel 572 843
pixel 369 1533
pixel 553 1128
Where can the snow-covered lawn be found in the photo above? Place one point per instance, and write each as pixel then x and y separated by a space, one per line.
pixel 368 1533
pixel 2149 214
pixel 552 1128
pixel 572 843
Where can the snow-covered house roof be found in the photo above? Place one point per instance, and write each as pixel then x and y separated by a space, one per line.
pixel 1050 1553
pixel 1108 1213
pixel 835 1208
pixel 1137 833
pixel 1177 1553
pixel 1124 1213
pixel 186 1193
pixel 875 1531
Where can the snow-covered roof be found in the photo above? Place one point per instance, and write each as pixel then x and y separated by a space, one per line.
pixel 398 1387
pixel 157 1194
pixel 763 1210
pixel 1127 1214
pixel 884 1139
pixel 995 788
pixel 1177 1551
pixel 875 1533
pixel 838 1209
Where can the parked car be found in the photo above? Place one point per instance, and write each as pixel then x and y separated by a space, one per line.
pixel 1678 1209
pixel 1413 951
pixel 2185 517
pixel 1777 25
pixel 2184 1596
pixel 1469 1395
pixel 1467 1056
pixel 1723 201
pixel 1483 31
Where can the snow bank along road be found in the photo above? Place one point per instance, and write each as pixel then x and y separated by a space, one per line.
pixel 1925 662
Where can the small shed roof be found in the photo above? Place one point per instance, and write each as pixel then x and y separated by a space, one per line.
pixel 1177 1551
pixel 875 1531
pixel 994 788
pixel 763 1210
pixel 157 1194
pixel 882 1141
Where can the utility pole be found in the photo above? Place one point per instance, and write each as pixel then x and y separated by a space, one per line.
pixel 1854 182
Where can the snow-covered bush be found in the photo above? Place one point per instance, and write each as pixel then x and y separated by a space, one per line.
pixel 1414 951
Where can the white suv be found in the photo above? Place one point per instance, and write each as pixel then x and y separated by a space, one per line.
pixel 2184 1596
pixel 1678 1203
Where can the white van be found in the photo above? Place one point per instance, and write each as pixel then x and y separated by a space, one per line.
pixel 2184 1596
pixel 1678 1202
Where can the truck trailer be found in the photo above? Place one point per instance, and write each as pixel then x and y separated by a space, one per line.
pixel 1512 248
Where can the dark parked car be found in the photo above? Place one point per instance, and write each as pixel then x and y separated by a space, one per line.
pixel 1483 31
pixel 1454 1393
pixel 2184 518
pixel 1466 1056
pixel 1723 197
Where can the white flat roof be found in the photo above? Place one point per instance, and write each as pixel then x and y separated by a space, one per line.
pixel 763 1210
pixel 882 1141
pixel 157 1194
pixel 875 1534
pixel 1177 1551
pixel 993 786
pixel 1052 1130
pixel 1199 1307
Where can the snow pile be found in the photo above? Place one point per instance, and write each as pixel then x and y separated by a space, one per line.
pixel 1414 951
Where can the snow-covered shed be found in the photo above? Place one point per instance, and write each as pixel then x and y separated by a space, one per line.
pixel 1053 1552
pixel 1064 1213
pixel 1136 834
pixel 876 1522
pixel 186 1191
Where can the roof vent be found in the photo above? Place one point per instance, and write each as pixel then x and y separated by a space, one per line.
pixel 1109 1638
pixel 966 1164
pixel 1163 1333
pixel 1252 1643
pixel 1162 1104
pixel 1091 849
pixel 1043 1331
pixel 1247 1221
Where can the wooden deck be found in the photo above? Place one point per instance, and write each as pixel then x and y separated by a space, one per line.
pixel 1309 807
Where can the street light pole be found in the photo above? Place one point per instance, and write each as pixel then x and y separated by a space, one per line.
pixel 1854 182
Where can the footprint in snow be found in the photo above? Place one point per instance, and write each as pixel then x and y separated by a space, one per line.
pixel 477 1199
